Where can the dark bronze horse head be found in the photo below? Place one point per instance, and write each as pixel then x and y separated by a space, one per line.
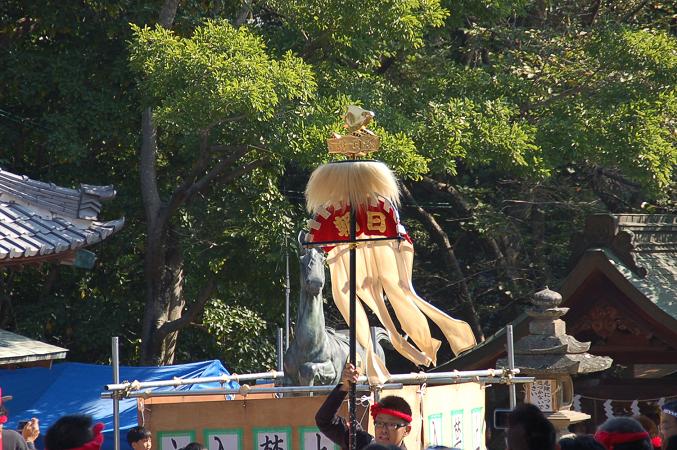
pixel 312 267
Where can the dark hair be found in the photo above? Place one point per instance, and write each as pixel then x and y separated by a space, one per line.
pixel 395 403
pixel 135 434
pixel 584 442
pixel 194 446
pixel 626 425
pixel 539 433
pixel 648 425
pixel 69 432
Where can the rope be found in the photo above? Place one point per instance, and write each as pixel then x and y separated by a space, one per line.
pixel 631 400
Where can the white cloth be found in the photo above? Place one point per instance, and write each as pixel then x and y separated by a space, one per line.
pixel 386 266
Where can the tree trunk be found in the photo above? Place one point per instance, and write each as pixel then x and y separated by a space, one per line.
pixel 163 264
pixel 164 297
pixel 438 235
pixel 164 313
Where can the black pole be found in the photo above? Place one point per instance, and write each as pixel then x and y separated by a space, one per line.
pixel 353 326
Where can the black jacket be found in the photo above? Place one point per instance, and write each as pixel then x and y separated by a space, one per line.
pixel 335 427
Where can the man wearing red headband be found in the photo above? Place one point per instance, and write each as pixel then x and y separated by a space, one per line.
pixel 392 417
pixel 623 433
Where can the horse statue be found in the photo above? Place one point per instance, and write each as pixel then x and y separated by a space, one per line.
pixel 317 353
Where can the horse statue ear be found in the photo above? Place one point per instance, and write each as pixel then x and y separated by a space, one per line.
pixel 301 239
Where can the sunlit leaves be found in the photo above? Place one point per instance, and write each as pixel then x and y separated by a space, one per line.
pixel 488 133
pixel 215 75
pixel 241 335
pixel 361 32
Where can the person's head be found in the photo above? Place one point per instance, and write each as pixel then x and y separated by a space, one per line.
pixel 3 410
pixel 623 433
pixel 74 432
pixel 139 438
pixel 651 428
pixel 584 442
pixel 529 429
pixel 3 415
pixel 195 446
pixel 392 420
pixel 669 420
pixel 648 425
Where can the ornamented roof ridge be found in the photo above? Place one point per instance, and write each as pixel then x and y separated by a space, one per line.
pixel 82 203
pixel 39 221
pixel 628 236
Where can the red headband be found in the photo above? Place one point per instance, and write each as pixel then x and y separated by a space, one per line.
pixel 95 443
pixel 3 418
pixel 609 439
pixel 377 409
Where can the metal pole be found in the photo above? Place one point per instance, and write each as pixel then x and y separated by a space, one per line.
pixel 511 365
pixel 136 385
pixel 427 377
pixel 280 352
pixel 287 290
pixel 406 378
pixel 377 392
pixel 115 360
pixel 251 391
pixel 353 325
pixel 361 387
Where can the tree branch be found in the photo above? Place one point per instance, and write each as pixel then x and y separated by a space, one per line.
pixel 313 45
pixel 456 196
pixel 526 108
pixel 193 310
pixel 189 187
pixel 440 237
pixel 634 11
pixel 616 177
pixel 199 166
pixel 244 13
pixel 230 176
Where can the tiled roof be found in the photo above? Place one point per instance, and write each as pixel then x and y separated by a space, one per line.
pixel 654 248
pixel 16 349
pixel 40 221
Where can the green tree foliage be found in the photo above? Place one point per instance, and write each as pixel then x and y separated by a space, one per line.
pixel 507 121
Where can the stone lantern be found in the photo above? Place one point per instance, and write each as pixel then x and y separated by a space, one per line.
pixel 552 357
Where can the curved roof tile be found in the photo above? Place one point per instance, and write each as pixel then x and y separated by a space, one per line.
pixel 40 221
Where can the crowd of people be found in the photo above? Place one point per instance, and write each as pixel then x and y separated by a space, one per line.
pixel 528 429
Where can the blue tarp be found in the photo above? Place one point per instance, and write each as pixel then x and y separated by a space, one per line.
pixel 74 388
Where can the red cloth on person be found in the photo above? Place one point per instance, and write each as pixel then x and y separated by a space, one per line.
pixel 609 439
pixel 96 442
pixel 377 409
